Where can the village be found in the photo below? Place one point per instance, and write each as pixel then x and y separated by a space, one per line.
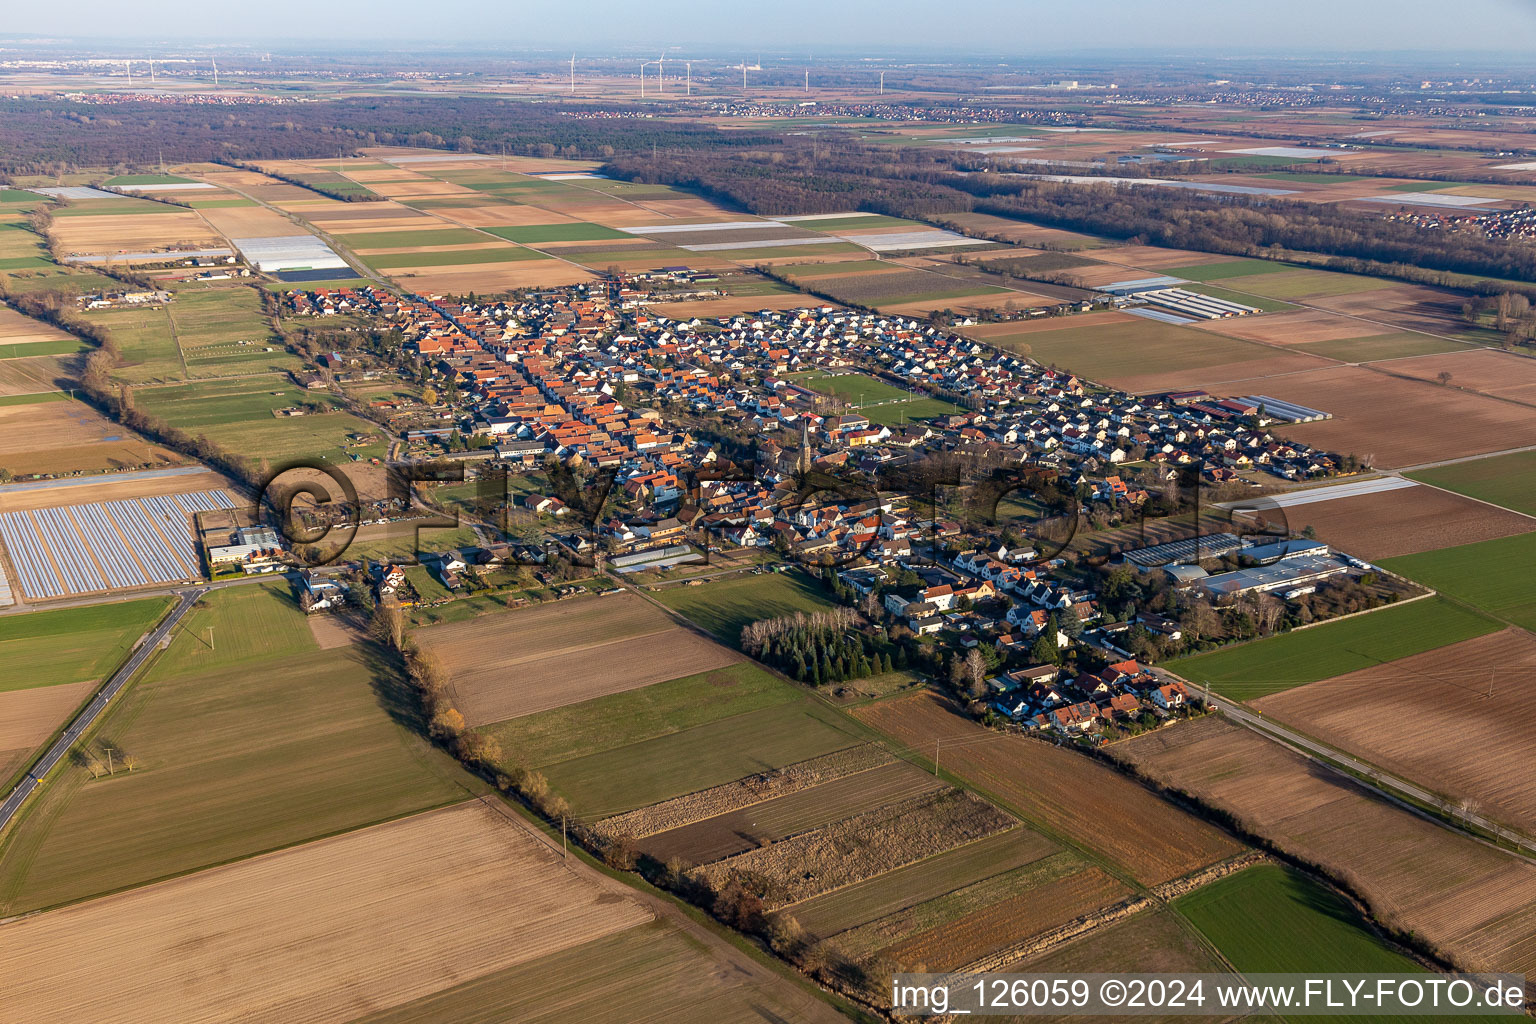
pixel 709 448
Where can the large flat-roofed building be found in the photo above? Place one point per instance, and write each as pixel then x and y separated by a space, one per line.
pixel 1178 552
pixel 1286 574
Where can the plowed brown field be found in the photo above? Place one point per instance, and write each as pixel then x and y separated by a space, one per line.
pixel 1476 904
pixel 328 931
pixel 1066 791
pixel 1488 685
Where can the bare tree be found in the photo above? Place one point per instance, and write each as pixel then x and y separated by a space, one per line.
pixel 388 623
pixel 974 672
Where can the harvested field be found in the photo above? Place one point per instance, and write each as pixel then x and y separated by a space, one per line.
pixel 494 278
pixel 333 631
pixel 901 286
pixel 295 928
pixel 1476 904
pixel 1501 374
pixel 1001 923
pixel 1405 521
pixel 250 222
pixel 28 717
pixel 888 894
pixel 1489 680
pixel 107 234
pixel 1294 327
pixel 1152 941
pixel 27 375
pixel 16 329
pixel 66 437
pixel 1066 791
pixel 754 789
pixel 654 971
pixel 863 846
pixel 986 225
pixel 1402 306
pixel 792 814
pixel 1367 410
pixel 518 663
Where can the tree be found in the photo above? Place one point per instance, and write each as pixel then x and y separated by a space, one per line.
pixel 1044 650
pixel 447 724
pixel 388 624
pixel 1444 377
pixel 429 396
pixel 1070 624
pixel 975 672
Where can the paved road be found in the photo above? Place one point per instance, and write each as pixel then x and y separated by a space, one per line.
pixel 1389 785
pixel 93 710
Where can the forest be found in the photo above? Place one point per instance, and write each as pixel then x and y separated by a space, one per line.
pixel 53 136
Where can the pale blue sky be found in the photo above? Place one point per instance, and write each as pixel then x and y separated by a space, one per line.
pixel 995 27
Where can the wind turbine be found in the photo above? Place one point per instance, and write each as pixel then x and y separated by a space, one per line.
pixel 129 65
pixel 661 67
pixel 215 72
pixel 689 65
pixel 151 71
pixel 642 78
pixel 882 83
pixel 573 74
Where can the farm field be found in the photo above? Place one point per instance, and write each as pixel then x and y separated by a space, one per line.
pixel 29 716
pixel 1067 793
pixel 770 821
pixel 1500 374
pixel 1137 355
pixel 724 606
pixel 237 626
pixel 1404 521
pixel 1273 664
pixel 1488 680
pixel 862 846
pixel 634 716
pixel 238 416
pixel 1508 480
pixel 303 920
pixel 74 645
pixel 230 763
pixel 609 980
pixel 522 662
pixel 1376 347
pixel 1488 575
pixel 1475 903
pixel 1306 926
pixel 1367 416
pixel 709 754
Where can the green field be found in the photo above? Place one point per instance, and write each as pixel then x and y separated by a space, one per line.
pixel 149 179
pixel 452 258
pixel 17 195
pixel 706 755
pixel 747 252
pixel 1295 284
pixel 808 270
pixel 1270 918
pixel 21 350
pixel 724 606
pixel 882 403
pixel 402 239
pixel 231 762
pixel 579 231
pixel 1230 268
pixel 634 716
pixel 237 415
pixel 1252 670
pixel 1508 480
pixel 73 645
pixel 34 398
pixel 1493 575
pixel 238 625
pixel 1380 346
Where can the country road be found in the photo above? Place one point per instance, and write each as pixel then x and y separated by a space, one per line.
pixel 93 710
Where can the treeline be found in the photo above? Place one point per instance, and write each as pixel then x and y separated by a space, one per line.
pixel 804 178
pixel 1357 241
pixel 52 135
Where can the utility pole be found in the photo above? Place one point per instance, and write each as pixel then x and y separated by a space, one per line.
pixel 110 770
pixel 565 846
pixel 935 758
pixel 210 639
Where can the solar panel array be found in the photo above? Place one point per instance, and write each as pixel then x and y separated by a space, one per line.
pixel 106 545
